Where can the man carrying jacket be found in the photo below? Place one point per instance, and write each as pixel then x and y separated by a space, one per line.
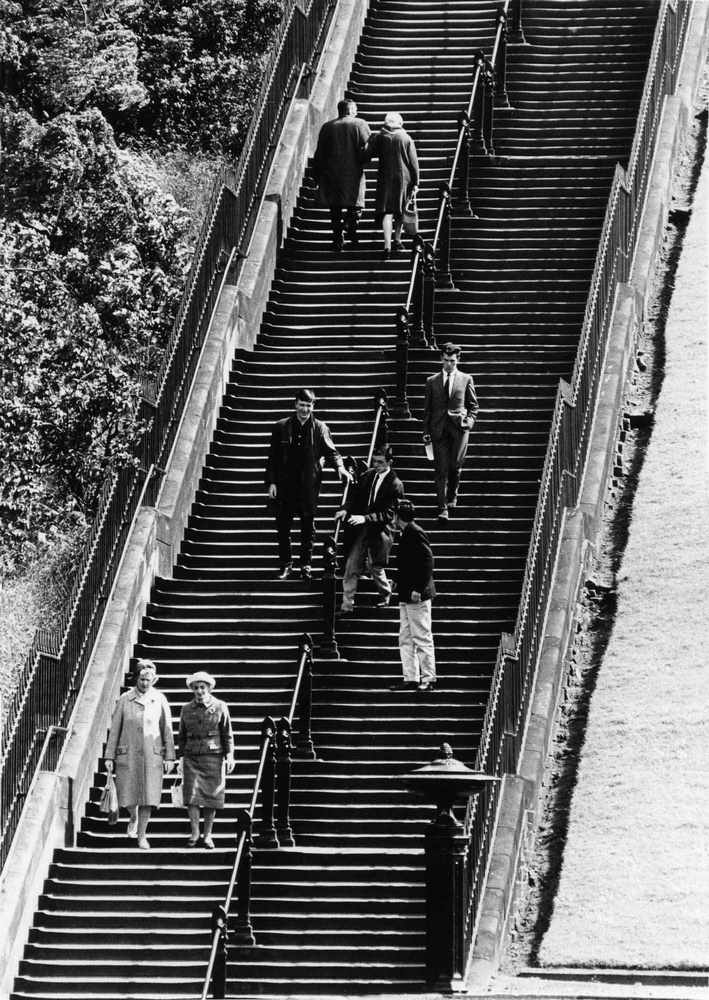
pixel 416 591
pixel 300 445
pixel 370 512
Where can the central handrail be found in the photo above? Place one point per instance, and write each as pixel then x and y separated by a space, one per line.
pixel 274 737
pixel 430 261
pixel 328 644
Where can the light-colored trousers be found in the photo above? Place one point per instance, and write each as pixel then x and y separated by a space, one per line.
pixel 355 565
pixel 418 658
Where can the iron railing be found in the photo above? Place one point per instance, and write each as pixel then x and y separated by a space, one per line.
pixel 273 784
pixel 328 644
pixel 430 262
pixel 56 664
pixel 567 451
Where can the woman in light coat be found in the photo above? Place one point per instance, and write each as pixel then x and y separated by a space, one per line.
pixel 206 744
pixel 140 749
pixel 397 176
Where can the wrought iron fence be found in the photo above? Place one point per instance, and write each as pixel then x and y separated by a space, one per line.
pixel 56 665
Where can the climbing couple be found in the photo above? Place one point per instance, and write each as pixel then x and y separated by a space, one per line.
pixel 345 146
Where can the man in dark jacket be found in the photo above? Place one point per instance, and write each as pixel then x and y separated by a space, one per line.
pixel 370 511
pixel 416 591
pixel 300 444
pixel 449 412
pixel 338 167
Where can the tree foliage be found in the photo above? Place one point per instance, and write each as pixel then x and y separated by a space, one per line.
pixel 93 252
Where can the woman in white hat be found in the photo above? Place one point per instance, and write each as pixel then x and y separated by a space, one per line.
pixel 140 748
pixel 206 745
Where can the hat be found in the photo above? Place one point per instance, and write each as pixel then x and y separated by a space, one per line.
pixel 201 675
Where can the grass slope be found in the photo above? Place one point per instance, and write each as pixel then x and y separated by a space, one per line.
pixel 635 880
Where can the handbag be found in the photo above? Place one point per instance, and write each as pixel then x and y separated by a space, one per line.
pixel 176 793
pixel 410 217
pixel 109 800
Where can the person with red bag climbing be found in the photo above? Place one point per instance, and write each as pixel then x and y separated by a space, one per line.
pixel 397 178
pixel 140 748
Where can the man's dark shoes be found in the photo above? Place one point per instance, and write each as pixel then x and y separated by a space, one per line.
pixel 404 686
pixel 285 572
pixel 427 686
pixel 338 245
pixel 382 602
pixel 353 236
pixel 306 573
pixel 386 255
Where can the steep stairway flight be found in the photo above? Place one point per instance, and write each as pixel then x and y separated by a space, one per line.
pixel 343 911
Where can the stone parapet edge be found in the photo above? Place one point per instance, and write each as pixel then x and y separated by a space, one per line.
pixel 521 795
pixel 55 802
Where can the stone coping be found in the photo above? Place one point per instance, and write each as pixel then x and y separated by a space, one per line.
pixel 521 792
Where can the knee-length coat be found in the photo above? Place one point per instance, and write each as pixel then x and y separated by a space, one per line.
pixel 338 164
pixel 139 741
pixel 397 169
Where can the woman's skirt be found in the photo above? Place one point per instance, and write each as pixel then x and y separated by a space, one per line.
pixel 204 780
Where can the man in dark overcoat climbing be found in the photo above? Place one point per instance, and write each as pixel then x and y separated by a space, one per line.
pixel 300 446
pixel 338 167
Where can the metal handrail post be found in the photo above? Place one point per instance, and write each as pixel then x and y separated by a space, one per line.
pixel 266 836
pixel 284 831
pixel 488 108
pixel 303 742
pixel 462 199
pixel 444 278
pixel 243 931
pixel 516 34
pixel 501 99
pixel 477 108
pixel 400 408
pixel 418 327
pixel 428 294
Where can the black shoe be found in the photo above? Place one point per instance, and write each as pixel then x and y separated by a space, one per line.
pixel 353 236
pixel 443 514
pixel 404 686
pixel 285 572
pixel 397 246
pixel 345 612
pixel 383 603
pixel 338 245
pixel 386 255
pixel 427 686
pixel 306 573
pixel 192 843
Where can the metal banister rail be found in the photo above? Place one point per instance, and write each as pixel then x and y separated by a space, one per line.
pixel 569 439
pixel 328 644
pixel 272 782
pixel 430 261
pixel 56 663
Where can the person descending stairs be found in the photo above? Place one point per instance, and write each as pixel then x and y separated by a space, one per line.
pixel 343 910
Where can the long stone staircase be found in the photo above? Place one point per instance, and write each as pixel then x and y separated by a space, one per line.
pixel 343 911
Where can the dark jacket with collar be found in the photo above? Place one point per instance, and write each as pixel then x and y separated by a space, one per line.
pixel 415 564
pixel 302 492
pixel 379 514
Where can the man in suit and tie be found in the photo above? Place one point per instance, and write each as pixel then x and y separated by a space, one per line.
pixel 450 408
pixel 371 512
